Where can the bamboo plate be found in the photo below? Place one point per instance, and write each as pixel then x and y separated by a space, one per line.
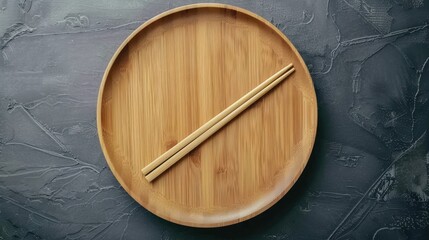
pixel 176 72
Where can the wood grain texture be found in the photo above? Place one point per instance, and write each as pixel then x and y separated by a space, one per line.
pixel 215 127
pixel 168 154
pixel 176 72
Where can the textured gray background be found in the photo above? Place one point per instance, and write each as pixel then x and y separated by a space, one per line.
pixel 368 174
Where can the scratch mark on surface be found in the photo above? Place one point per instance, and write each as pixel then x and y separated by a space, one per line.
pixel 334 195
pixel 66 174
pixel 15 105
pixel 49 218
pixel 84 31
pixel 371 189
pixel 23 173
pixel 419 78
pixel 40 125
pixel 127 222
pixel 366 39
pixel 281 236
pixel 396 33
pixel 13 32
pixel 384 229
pixel 74 177
pixel 5 57
pixel 333 53
pixel 53 100
pixel 118 219
pixel 55 154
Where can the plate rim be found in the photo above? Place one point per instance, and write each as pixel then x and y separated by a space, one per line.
pixel 136 32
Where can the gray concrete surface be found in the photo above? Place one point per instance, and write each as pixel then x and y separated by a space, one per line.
pixel 368 174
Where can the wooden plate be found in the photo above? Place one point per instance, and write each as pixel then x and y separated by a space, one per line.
pixel 173 74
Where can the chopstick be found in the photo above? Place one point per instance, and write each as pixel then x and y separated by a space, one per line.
pixel 217 123
pixel 161 159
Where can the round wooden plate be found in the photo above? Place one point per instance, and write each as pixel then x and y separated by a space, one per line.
pixel 176 72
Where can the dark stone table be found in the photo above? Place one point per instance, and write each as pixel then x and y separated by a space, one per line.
pixel 367 177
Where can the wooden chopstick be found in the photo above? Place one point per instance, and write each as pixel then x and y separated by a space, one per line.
pixel 161 159
pixel 197 141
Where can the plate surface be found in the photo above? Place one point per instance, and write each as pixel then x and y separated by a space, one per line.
pixel 176 72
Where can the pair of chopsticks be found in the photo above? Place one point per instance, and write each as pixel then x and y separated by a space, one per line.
pixel 173 155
